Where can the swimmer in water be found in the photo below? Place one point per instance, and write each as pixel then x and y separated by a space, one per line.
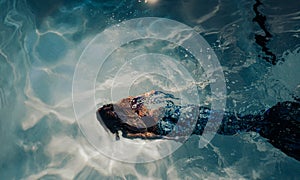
pixel 154 115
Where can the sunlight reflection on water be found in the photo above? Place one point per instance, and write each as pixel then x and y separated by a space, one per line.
pixel 40 44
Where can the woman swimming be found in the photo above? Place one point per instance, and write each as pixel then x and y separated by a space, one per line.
pixel 154 115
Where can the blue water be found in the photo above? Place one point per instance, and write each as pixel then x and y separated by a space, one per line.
pixel 41 42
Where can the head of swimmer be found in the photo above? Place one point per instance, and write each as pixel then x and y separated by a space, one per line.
pixel 130 116
pixel 108 118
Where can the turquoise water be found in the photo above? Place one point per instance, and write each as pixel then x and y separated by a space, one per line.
pixel 41 42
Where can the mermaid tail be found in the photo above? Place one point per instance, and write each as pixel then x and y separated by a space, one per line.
pixel 134 117
pixel 281 126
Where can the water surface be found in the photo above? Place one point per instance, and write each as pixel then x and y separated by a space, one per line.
pixel 41 42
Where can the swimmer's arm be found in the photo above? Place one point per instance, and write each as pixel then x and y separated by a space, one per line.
pixel 146 135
